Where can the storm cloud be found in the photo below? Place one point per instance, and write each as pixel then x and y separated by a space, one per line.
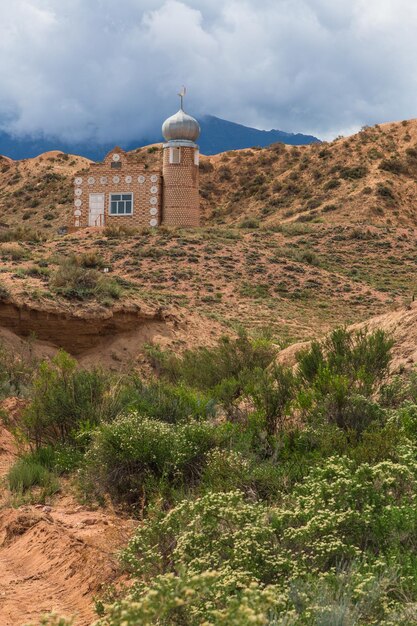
pixel 110 71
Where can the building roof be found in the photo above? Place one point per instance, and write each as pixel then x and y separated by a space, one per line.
pixel 181 127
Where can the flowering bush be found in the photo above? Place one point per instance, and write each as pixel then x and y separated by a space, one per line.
pixel 134 456
pixel 331 553
pixel 342 511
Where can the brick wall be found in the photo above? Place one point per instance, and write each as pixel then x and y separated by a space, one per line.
pixel 181 204
pixel 128 176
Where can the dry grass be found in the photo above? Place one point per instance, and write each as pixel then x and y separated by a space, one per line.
pixel 367 178
pixel 297 239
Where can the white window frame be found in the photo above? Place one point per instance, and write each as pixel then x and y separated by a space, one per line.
pixel 121 193
pixel 175 155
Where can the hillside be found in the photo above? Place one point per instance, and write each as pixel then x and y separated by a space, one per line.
pixel 190 286
pixel 358 245
pixel 368 178
pixel 400 325
pixel 116 517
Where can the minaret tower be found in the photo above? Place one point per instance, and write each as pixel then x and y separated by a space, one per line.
pixel 181 203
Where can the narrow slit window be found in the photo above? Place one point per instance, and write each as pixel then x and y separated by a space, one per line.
pixel 175 155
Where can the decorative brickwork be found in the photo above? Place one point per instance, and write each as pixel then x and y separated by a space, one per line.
pixel 119 174
pixel 181 206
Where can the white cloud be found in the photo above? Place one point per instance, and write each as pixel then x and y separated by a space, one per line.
pixel 108 70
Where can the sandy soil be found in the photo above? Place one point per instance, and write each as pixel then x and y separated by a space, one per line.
pixel 400 325
pixel 54 559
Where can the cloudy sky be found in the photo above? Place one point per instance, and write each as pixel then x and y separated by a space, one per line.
pixel 108 70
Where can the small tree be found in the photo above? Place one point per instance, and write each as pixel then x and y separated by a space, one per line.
pixel 340 376
pixel 66 399
pixel 272 392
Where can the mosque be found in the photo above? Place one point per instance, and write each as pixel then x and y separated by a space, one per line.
pixel 121 191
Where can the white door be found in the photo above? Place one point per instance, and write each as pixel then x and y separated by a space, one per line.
pixel 96 209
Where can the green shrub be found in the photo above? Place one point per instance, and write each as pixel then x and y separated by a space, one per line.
pixel 214 531
pixel 73 281
pixel 334 183
pixel 342 510
pixel 67 402
pixel 385 192
pixel 59 459
pixel 211 598
pixel 205 368
pixel 362 357
pixel 393 165
pixel 307 256
pixel 353 173
pixel 335 546
pixel 226 470
pixel 27 473
pixel 332 398
pixel 91 260
pixel 378 444
pixel 348 598
pixel 250 223
pixel 169 403
pixel 272 391
pixel 16 371
pixel 12 251
pixel 136 457
pixel 21 234
pixel 339 377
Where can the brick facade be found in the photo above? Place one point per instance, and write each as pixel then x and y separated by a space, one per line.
pixel 124 176
pixel 181 205
pixel 169 197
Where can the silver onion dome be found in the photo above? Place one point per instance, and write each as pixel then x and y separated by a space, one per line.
pixel 181 127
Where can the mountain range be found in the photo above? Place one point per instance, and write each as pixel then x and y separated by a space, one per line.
pixel 217 135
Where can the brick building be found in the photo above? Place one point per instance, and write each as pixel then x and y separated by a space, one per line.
pixel 120 191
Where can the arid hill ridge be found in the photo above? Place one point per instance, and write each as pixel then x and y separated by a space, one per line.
pixel 366 178
pixel 295 240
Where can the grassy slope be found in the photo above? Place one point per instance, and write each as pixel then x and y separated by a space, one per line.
pixel 332 247
pixel 299 282
pixel 366 178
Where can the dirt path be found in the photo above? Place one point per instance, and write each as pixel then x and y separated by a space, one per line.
pixel 54 559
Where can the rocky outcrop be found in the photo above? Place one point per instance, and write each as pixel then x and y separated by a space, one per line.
pixel 77 331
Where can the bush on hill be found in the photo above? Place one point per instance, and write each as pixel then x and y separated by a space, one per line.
pixel 135 457
pixel 21 234
pixel 16 372
pixel 205 368
pixel 67 401
pixel 74 281
pixel 220 559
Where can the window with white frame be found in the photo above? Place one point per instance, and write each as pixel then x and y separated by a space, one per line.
pixel 175 155
pixel 121 204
